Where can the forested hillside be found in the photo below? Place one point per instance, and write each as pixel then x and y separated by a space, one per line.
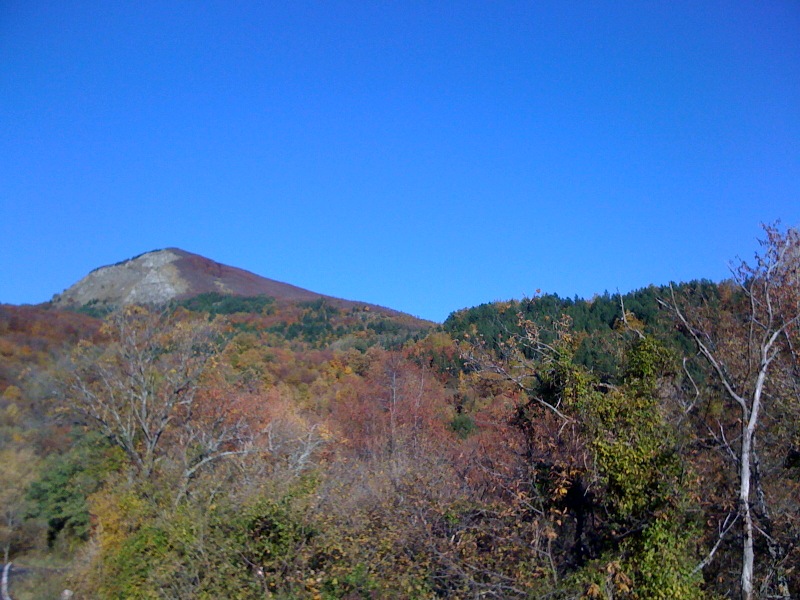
pixel 637 446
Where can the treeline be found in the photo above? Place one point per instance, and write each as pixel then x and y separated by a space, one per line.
pixel 313 323
pixel 598 319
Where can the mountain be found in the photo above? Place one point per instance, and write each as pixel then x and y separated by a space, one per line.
pixel 173 274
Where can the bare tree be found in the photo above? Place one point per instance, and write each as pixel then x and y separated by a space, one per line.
pixel 140 390
pixel 752 361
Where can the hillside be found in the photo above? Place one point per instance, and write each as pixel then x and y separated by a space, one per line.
pixel 173 274
pixel 252 446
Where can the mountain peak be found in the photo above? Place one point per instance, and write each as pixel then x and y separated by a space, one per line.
pixel 159 276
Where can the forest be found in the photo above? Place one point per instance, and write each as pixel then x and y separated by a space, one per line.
pixel 629 446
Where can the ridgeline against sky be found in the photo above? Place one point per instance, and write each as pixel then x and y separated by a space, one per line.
pixel 422 157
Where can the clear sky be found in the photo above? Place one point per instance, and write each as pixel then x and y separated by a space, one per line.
pixel 425 156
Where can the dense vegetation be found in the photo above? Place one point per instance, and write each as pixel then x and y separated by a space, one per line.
pixel 234 447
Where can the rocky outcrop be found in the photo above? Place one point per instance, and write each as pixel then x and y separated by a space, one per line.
pixel 163 275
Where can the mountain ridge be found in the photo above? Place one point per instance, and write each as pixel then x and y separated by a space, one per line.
pixel 172 274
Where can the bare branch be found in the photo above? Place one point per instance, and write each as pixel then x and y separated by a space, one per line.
pixel 705 351
pixel 725 527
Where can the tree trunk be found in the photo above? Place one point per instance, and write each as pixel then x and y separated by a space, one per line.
pixel 745 466
pixel 747 517
pixel 4 583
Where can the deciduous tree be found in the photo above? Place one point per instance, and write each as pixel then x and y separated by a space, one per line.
pixel 752 355
pixel 141 391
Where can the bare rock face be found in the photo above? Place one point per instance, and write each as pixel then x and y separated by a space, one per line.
pixel 163 275
pixel 151 278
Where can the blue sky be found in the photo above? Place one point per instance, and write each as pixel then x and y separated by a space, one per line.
pixel 424 156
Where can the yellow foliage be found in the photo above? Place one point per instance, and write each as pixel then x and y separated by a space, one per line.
pixel 12 394
pixel 116 515
pixel 594 591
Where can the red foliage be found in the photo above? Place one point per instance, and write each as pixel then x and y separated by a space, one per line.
pixel 30 335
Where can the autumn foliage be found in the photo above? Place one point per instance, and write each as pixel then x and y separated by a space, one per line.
pixel 251 448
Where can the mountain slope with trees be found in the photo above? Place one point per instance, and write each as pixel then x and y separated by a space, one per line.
pixel 173 275
pixel 635 446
